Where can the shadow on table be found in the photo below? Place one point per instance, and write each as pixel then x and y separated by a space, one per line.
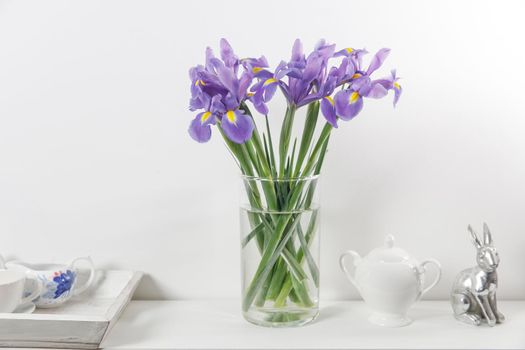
pixel 328 312
pixel 134 322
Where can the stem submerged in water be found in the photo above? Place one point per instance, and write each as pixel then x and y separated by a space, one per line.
pixel 280 195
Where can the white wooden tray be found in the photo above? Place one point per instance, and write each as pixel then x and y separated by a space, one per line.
pixel 81 323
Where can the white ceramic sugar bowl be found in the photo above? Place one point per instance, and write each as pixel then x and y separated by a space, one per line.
pixel 390 281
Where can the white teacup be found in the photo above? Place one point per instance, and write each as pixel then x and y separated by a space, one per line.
pixel 12 285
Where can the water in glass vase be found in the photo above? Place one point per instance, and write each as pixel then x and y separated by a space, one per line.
pixel 280 252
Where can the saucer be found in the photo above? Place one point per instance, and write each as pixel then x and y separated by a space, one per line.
pixel 26 308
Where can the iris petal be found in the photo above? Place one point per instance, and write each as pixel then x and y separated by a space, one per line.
pixel 237 126
pixel 227 77
pixel 258 102
pixel 328 110
pixel 348 104
pixel 270 91
pixel 397 92
pixel 227 54
pixel 377 91
pixel 378 60
pixel 200 131
pixel 297 51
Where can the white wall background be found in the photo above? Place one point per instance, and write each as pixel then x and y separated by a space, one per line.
pixel 95 158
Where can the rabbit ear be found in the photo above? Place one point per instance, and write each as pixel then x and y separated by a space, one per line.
pixel 474 237
pixel 487 237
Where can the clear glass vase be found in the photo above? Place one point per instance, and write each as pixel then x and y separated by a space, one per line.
pixel 280 250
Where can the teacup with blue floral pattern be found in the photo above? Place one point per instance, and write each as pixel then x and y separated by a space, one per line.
pixel 59 280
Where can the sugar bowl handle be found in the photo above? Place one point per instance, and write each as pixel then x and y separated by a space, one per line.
pixel 355 259
pixel 424 271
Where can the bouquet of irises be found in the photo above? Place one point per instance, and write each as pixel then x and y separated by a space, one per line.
pixel 226 90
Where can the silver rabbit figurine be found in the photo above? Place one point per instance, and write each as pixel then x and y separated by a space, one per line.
pixel 473 294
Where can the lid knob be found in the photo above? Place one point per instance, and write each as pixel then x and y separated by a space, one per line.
pixel 389 241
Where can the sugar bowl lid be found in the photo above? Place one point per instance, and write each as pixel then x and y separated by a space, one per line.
pixel 389 253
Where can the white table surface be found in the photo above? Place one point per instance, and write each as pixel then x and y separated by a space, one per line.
pixel 340 325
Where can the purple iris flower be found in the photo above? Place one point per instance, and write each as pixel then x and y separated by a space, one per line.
pixel 265 88
pixel 256 67
pixel 219 90
pixel 356 55
pixel 305 76
pixel 349 102
pixel 391 83
pixel 222 85
pixel 304 84
pixel 336 77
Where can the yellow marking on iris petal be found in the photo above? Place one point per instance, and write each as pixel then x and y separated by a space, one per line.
pixel 250 94
pixel 354 97
pixel 357 75
pixel 269 81
pixel 205 116
pixel 256 69
pixel 397 86
pixel 330 99
pixel 349 50
pixel 231 116
pixel 199 82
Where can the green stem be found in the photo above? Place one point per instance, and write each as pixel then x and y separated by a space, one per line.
pixel 320 147
pixel 262 296
pixel 273 250
pixel 305 250
pixel 288 259
pixel 251 161
pixel 277 280
pixel 288 283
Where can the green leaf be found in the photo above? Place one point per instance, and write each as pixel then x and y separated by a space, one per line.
pixel 266 151
pixel 309 128
pixel 272 153
pixel 295 267
pixel 292 157
pixel 312 160
pixel 247 147
pixel 322 154
pixel 258 229
pixel 238 153
pixel 284 141
pixel 305 246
